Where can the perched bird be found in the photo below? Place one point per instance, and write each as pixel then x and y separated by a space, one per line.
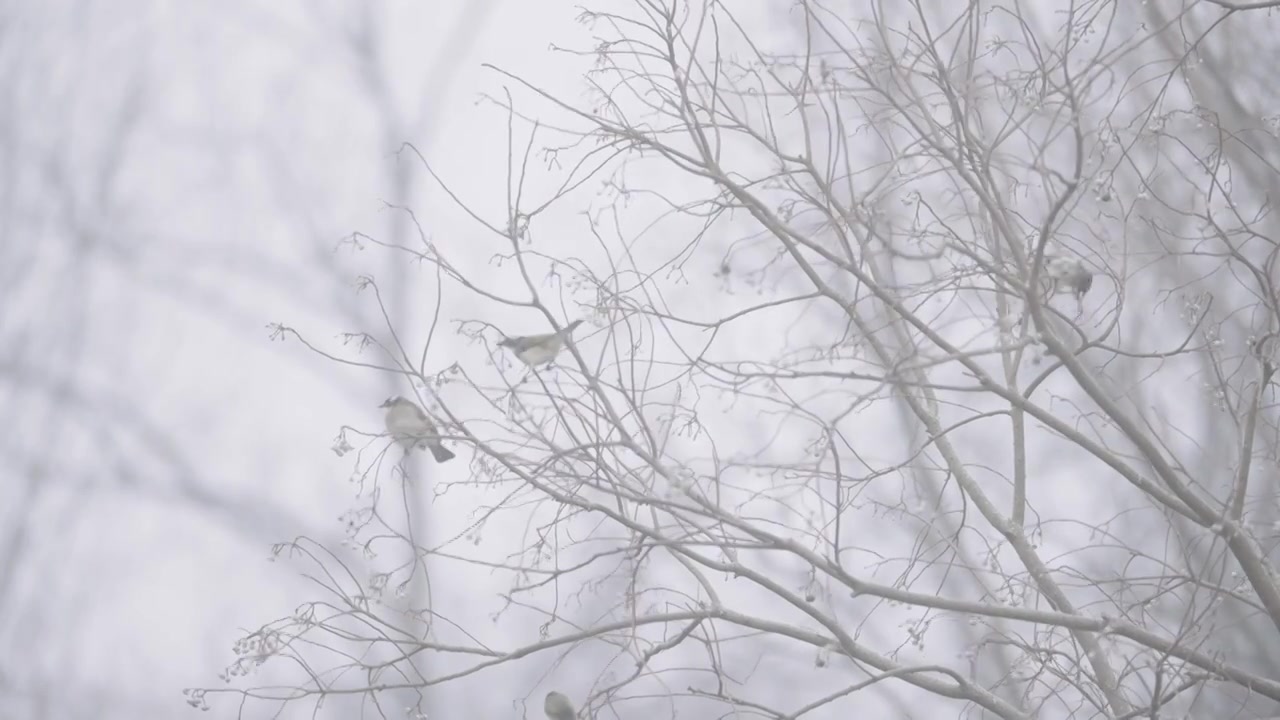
pixel 1065 275
pixel 412 428
pixel 538 349
pixel 1069 275
pixel 558 707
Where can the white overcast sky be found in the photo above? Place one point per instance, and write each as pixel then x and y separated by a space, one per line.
pixel 253 146
pixel 177 176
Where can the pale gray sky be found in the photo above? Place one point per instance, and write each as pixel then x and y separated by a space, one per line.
pixel 175 177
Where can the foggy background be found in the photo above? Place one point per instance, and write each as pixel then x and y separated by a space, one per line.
pixel 176 177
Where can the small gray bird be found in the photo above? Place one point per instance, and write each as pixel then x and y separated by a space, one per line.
pixel 1066 275
pixel 539 349
pixel 410 427
pixel 558 707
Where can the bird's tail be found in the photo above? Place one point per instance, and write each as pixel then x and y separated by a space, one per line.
pixel 572 326
pixel 440 453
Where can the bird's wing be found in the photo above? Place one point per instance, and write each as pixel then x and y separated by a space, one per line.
pixel 524 342
pixel 528 341
pixel 409 420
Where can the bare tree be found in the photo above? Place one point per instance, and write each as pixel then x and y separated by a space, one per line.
pixel 928 372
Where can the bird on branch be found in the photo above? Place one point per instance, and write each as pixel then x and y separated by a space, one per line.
pixel 411 428
pixel 1066 275
pixel 533 350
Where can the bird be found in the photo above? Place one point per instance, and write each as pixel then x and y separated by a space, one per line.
pixel 410 427
pixel 539 349
pixel 558 707
pixel 1067 275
